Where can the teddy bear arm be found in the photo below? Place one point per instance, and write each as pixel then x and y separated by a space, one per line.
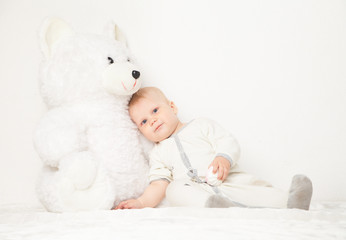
pixel 56 137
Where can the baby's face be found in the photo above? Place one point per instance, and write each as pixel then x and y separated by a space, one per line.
pixel 156 119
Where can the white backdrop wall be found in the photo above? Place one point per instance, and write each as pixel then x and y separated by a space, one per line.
pixel 271 72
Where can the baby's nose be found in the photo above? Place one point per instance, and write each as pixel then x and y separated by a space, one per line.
pixel 153 120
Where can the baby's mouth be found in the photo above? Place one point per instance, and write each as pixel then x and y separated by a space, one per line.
pixel 158 127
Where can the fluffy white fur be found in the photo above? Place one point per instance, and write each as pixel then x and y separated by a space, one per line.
pixel 90 148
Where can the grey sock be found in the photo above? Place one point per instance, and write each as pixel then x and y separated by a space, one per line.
pixel 218 201
pixel 300 192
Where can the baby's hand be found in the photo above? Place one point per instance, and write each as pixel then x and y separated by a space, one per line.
pixel 129 204
pixel 222 166
pixel 211 178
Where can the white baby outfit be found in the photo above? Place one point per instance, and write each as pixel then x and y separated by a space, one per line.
pixel 183 160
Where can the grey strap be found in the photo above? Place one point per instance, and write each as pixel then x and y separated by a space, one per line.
pixel 193 174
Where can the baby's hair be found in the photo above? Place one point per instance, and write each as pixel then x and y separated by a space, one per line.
pixel 147 92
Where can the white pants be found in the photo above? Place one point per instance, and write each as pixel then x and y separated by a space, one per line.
pixel 242 188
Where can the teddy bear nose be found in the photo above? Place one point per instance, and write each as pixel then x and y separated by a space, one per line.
pixel 135 74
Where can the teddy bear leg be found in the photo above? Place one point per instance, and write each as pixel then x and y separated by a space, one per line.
pixel 46 189
pixel 83 185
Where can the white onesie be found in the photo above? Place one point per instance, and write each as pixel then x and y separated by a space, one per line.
pixel 187 154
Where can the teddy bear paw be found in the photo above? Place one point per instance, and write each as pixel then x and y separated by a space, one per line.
pixel 81 169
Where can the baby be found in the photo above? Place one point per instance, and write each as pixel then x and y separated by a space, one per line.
pixel 187 157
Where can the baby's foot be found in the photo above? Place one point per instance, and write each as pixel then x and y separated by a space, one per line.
pixel 300 193
pixel 218 201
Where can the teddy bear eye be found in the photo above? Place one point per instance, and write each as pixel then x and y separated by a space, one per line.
pixel 128 60
pixel 111 61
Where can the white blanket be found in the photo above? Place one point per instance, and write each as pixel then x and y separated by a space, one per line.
pixel 323 221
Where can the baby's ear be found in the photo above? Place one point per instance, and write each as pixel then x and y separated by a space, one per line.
pixel 53 30
pixel 174 107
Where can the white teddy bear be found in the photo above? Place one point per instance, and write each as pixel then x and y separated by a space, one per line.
pixel 89 146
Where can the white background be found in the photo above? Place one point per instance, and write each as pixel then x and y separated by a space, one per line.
pixel 271 72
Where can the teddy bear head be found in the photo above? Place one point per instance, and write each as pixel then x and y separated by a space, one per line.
pixel 78 67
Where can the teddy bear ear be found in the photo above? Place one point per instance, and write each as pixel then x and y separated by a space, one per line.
pixel 113 31
pixel 53 30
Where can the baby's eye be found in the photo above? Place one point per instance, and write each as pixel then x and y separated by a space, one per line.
pixel 155 110
pixel 143 122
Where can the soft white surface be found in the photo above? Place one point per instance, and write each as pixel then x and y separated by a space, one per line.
pixel 323 221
